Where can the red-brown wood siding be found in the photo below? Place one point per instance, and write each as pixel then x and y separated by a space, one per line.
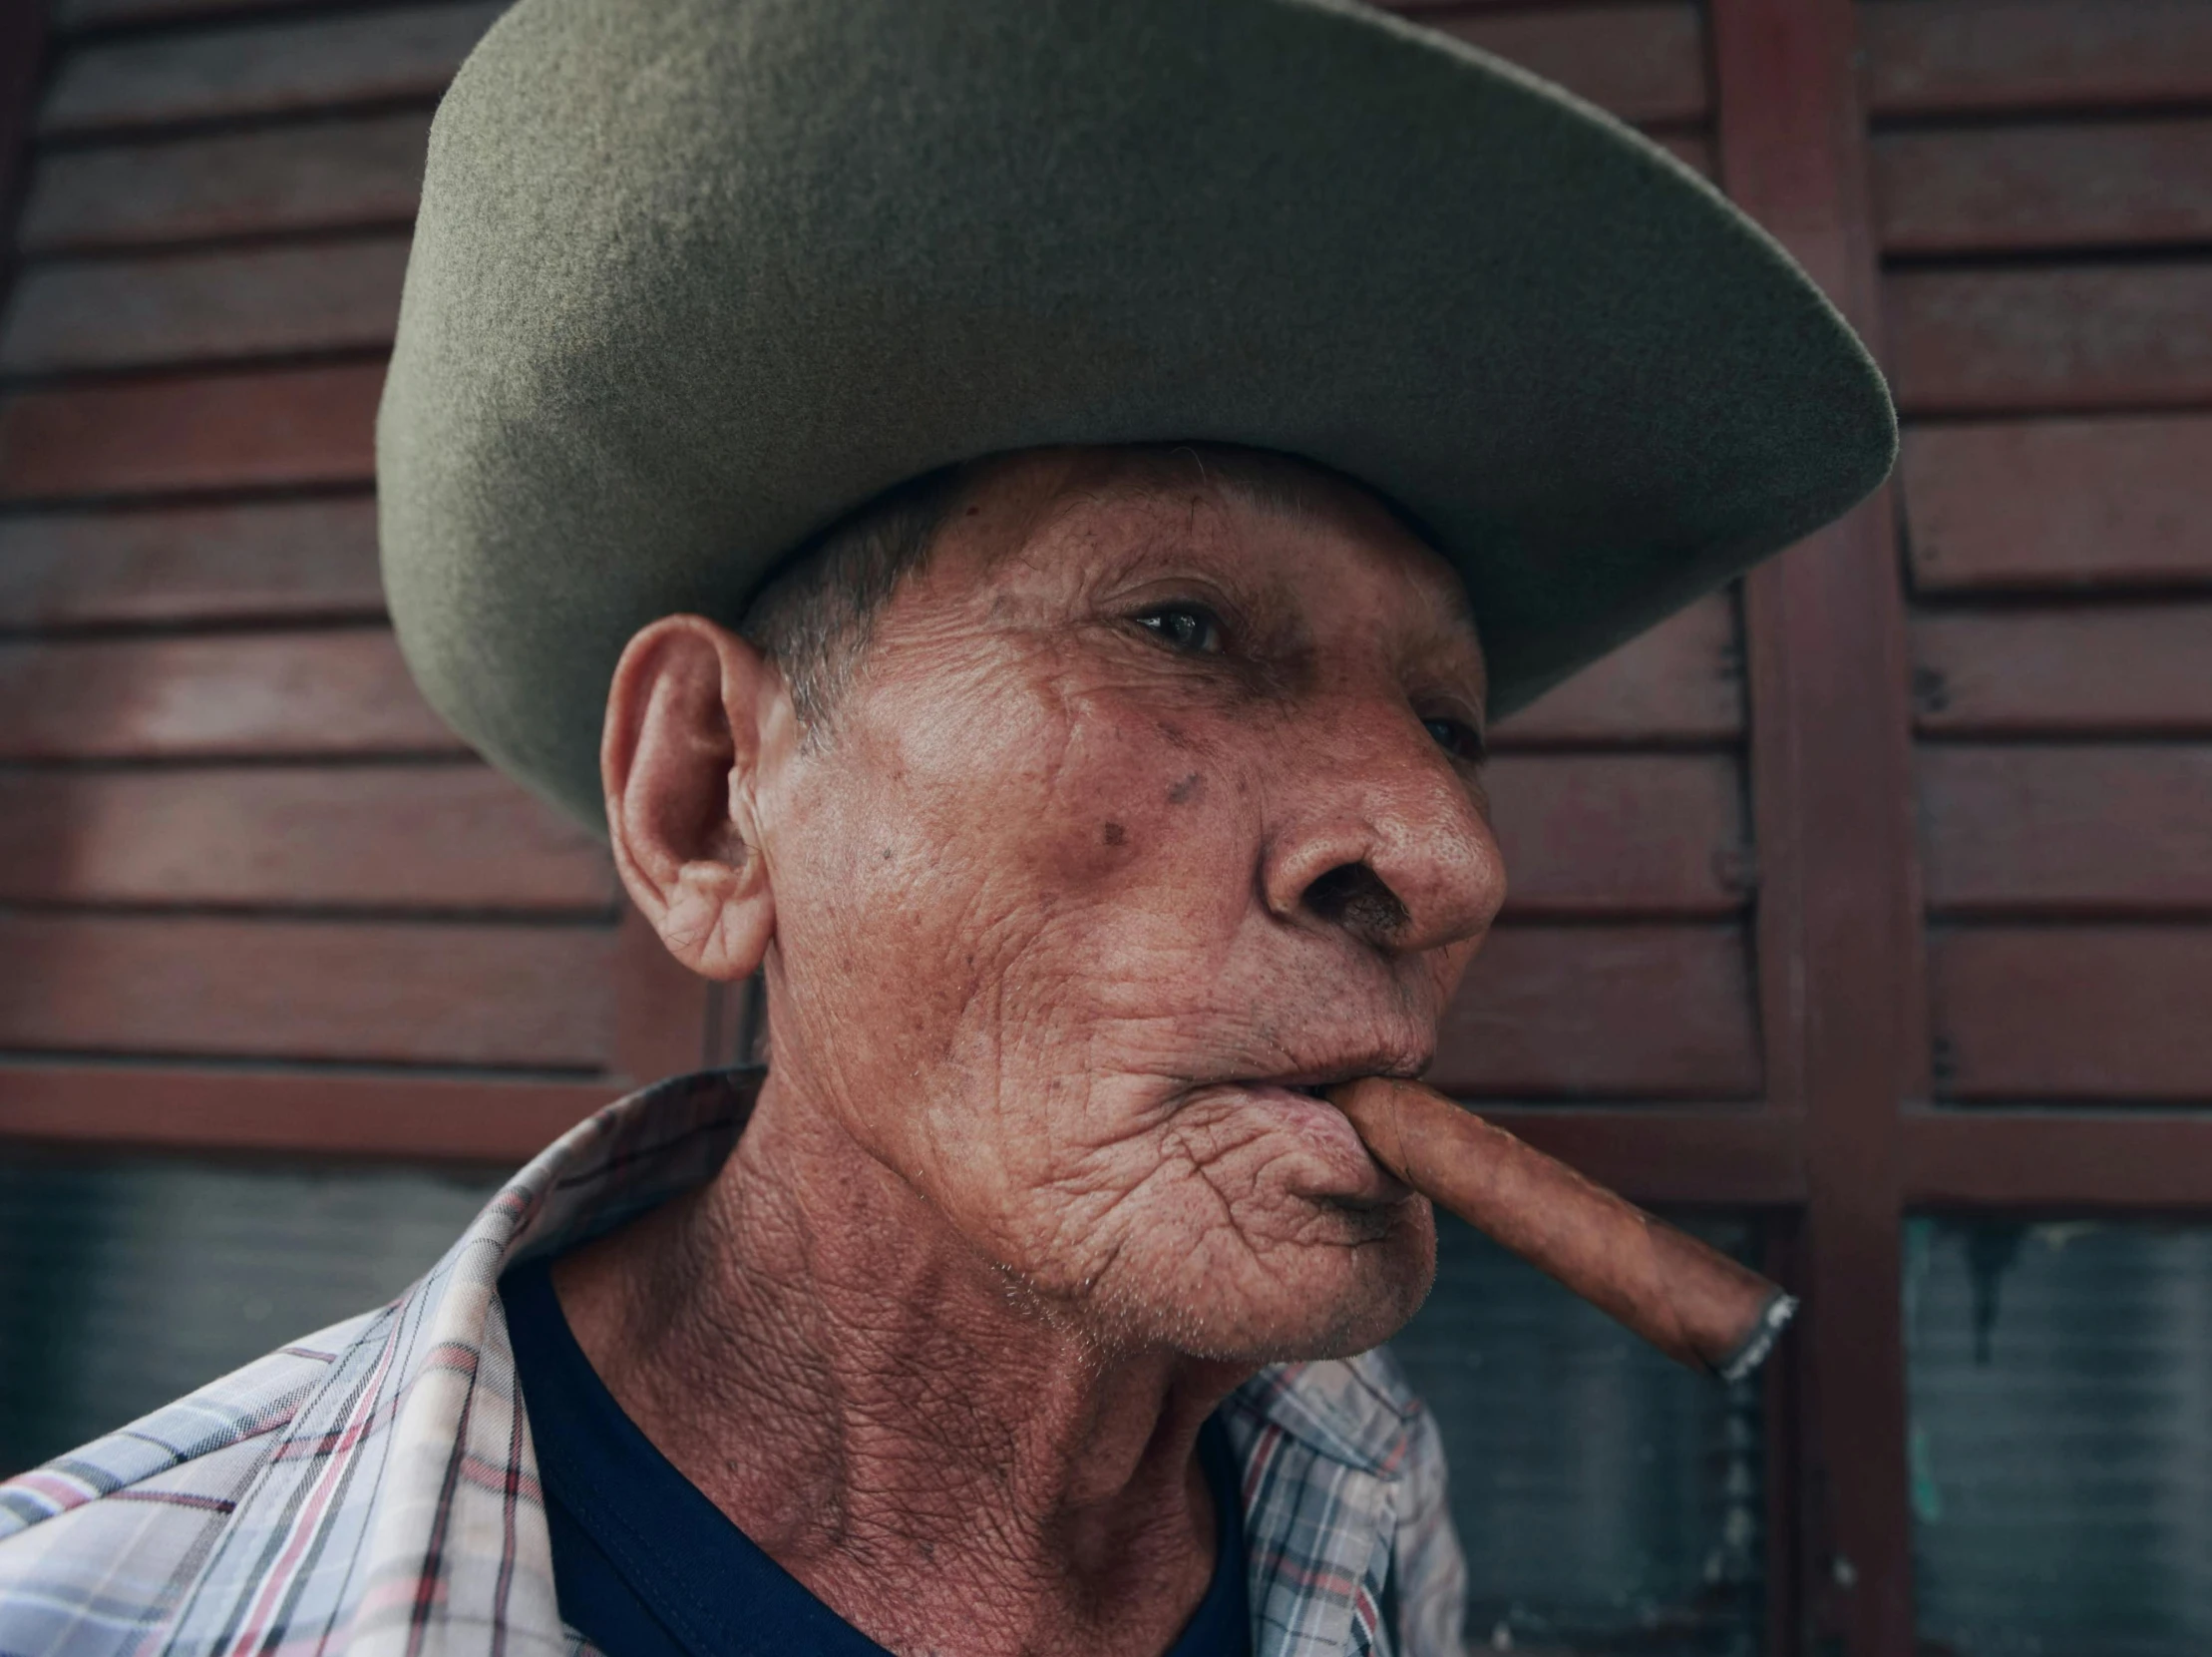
pixel 232 832
pixel 2047 295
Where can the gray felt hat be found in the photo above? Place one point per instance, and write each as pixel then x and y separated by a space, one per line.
pixel 694 278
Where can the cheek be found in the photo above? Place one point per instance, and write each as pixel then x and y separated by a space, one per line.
pixel 1230 1263
pixel 1010 891
pixel 1053 840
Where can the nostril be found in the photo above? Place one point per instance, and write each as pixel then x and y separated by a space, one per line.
pixel 1354 897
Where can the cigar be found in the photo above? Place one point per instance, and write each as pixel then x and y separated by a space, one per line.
pixel 1688 1299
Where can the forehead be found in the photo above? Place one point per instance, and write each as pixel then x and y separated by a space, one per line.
pixel 1114 507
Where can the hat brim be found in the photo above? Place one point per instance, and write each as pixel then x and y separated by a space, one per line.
pixel 694 278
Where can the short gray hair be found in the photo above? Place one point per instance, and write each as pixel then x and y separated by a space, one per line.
pixel 815 616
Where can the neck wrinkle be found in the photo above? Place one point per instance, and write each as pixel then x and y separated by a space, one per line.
pixel 884 1411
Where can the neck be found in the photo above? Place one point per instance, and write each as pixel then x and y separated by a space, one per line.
pixel 942 1460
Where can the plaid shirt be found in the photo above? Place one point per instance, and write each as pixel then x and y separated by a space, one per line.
pixel 372 1490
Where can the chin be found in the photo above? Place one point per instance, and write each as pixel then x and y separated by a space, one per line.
pixel 1309 1301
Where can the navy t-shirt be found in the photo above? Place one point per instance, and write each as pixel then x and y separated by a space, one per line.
pixel 646 1566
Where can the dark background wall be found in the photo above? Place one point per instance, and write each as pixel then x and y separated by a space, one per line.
pixel 1865 910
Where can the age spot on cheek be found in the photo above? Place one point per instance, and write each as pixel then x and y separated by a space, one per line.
pixel 1188 789
pixel 1113 834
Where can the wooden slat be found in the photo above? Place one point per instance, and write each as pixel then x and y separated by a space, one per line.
pixel 2050 1160
pixel 2068 830
pixel 1681 683
pixel 175 308
pixel 263 68
pixel 1980 189
pixel 1620 834
pixel 323 176
pixel 372 992
pixel 299 426
pixel 2073 338
pixel 210 1109
pixel 2042 504
pixel 2072 1012
pixel 267 560
pixel 2125 670
pixel 665 1014
pixel 1646 1011
pixel 1655 1155
pixel 260 694
pixel 1642 61
pixel 1926 57
pixel 23 60
pixel 452 837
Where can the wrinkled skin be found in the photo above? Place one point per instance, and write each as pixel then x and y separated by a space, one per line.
pixel 1148 806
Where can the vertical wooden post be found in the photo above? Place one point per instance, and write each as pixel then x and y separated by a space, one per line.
pixel 1839 914
pixel 662 1010
pixel 22 59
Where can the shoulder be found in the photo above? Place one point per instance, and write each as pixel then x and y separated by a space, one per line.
pixel 96 1544
pixel 242 1406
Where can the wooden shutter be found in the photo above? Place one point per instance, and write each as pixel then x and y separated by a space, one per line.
pixel 257 893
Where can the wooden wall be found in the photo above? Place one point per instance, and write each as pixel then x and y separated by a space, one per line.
pixel 235 844
pixel 2043 196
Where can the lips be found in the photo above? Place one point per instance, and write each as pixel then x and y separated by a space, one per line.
pixel 1344 1171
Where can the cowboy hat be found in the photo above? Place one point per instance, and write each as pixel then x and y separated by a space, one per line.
pixel 694 278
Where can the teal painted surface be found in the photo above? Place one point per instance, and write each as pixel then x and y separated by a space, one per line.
pixel 1610 1501
pixel 2061 1399
pixel 126 1282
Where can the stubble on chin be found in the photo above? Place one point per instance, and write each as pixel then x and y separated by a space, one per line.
pixel 1290 1302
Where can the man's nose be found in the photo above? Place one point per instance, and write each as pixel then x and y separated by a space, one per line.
pixel 1382 836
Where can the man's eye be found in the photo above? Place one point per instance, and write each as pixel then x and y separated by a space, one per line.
pixel 1459 739
pixel 1191 627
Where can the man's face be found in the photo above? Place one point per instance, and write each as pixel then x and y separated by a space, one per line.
pixel 1147 808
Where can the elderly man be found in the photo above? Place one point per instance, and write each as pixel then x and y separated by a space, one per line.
pixel 1019 514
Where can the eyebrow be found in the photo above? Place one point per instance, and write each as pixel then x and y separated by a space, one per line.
pixel 1455 636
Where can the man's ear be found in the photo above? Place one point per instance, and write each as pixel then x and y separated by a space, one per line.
pixel 688 718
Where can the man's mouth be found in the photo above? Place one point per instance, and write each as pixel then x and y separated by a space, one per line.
pixel 1304 1107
